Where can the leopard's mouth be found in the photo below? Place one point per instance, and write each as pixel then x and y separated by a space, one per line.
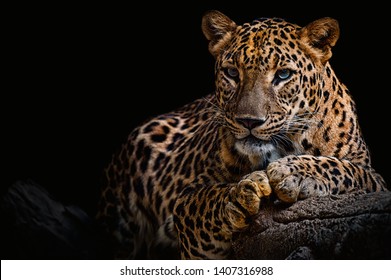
pixel 251 140
pixel 259 152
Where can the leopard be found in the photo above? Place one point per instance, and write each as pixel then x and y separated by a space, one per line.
pixel 279 124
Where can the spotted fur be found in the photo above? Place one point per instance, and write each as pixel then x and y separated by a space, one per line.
pixel 280 121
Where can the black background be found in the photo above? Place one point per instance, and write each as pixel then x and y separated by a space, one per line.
pixel 80 77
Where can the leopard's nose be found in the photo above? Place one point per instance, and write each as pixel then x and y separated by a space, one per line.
pixel 250 123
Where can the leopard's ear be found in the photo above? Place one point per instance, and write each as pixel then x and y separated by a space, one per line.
pixel 319 37
pixel 218 29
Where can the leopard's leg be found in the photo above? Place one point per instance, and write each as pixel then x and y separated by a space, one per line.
pixel 129 231
pixel 165 245
pixel 207 216
pixel 299 177
pixel 131 234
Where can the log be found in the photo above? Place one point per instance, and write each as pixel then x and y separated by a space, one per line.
pixel 351 226
pixel 355 226
pixel 35 225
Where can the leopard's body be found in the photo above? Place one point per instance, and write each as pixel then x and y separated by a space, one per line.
pixel 280 121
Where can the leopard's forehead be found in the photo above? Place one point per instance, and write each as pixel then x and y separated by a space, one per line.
pixel 266 29
pixel 264 23
pixel 262 39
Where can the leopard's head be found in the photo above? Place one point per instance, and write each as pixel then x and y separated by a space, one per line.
pixel 269 76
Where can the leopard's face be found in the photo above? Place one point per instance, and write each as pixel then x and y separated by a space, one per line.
pixel 268 85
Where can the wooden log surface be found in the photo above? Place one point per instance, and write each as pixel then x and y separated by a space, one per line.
pixel 351 226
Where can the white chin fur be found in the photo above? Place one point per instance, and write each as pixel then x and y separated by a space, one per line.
pixel 258 154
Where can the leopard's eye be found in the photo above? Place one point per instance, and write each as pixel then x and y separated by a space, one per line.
pixel 282 75
pixel 231 72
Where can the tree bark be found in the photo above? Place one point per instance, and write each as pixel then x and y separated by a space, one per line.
pixel 352 226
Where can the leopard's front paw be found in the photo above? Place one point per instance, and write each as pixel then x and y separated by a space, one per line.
pixel 291 180
pixel 245 197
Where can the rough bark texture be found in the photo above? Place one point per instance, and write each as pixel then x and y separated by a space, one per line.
pixel 353 226
pixel 37 226
pixel 357 226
